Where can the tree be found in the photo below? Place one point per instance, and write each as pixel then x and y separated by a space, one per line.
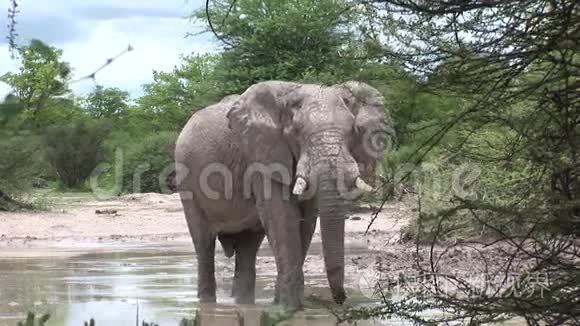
pixel 42 75
pixel 516 68
pixel 75 149
pixel 106 103
pixel 19 154
pixel 282 40
pixel 173 96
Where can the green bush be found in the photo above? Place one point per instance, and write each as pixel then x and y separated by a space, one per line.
pixel 74 150
pixel 446 182
pixel 148 163
pixel 31 320
pixel 18 169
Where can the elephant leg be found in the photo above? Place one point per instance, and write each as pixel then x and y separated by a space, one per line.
pixel 204 243
pixel 309 210
pixel 281 218
pixel 246 247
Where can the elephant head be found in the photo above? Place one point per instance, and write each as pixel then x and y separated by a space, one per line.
pixel 329 138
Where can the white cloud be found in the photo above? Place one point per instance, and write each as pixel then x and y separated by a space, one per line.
pixel 155 29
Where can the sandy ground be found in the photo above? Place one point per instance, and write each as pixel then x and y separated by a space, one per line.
pixel 74 222
pixel 146 218
pixel 85 223
pixel 152 216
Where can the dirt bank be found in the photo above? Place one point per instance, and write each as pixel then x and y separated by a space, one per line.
pixel 86 222
pixel 153 216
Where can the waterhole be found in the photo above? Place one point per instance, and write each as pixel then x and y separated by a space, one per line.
pixel 119 284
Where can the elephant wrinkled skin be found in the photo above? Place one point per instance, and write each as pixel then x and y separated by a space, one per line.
pixel 268 162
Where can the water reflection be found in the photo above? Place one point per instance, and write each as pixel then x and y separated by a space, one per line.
pixel 156 281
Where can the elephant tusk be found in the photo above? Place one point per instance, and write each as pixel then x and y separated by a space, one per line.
pixel 362 185
pixel 299 186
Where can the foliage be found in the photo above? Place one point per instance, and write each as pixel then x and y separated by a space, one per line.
pixel 148 163
pixel 19 162
pixel 58 111
pixel 266 319
pixel 195 321
pixel 32 321
pixel 513 68
pixel 74 150
pixel 172 96
pixel 269 319
pixel 18 166
pixel 107 103
pixel 42 75
pixel 281 40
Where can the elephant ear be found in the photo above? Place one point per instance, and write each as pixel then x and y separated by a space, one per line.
pixel 258 118
pixel 373 125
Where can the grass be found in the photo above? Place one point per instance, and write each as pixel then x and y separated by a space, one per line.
pixel 266 319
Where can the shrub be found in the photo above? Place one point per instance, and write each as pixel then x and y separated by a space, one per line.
pixel 21 160
pixel 18 168
pixel 149 163
pixel 74 150
pixel 17 161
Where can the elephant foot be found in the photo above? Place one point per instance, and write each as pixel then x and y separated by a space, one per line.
pixel 292 295
pixel 242 293
pixel 206 294
pixel 339 296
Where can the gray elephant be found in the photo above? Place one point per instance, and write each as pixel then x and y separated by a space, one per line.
pixel 267 163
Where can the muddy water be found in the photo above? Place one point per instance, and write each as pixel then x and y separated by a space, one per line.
pixel 116 282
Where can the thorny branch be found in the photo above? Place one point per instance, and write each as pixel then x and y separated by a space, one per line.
pixel 210 23
pixel 13 46
pixel 12 34
pixel 504 55
pixel 109 61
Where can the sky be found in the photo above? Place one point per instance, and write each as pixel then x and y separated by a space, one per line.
pixel 91 31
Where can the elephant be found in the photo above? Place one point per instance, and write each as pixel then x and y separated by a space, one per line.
pixel 268 163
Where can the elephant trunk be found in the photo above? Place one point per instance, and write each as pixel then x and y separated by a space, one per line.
pixel 332 212
pixel 334 172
